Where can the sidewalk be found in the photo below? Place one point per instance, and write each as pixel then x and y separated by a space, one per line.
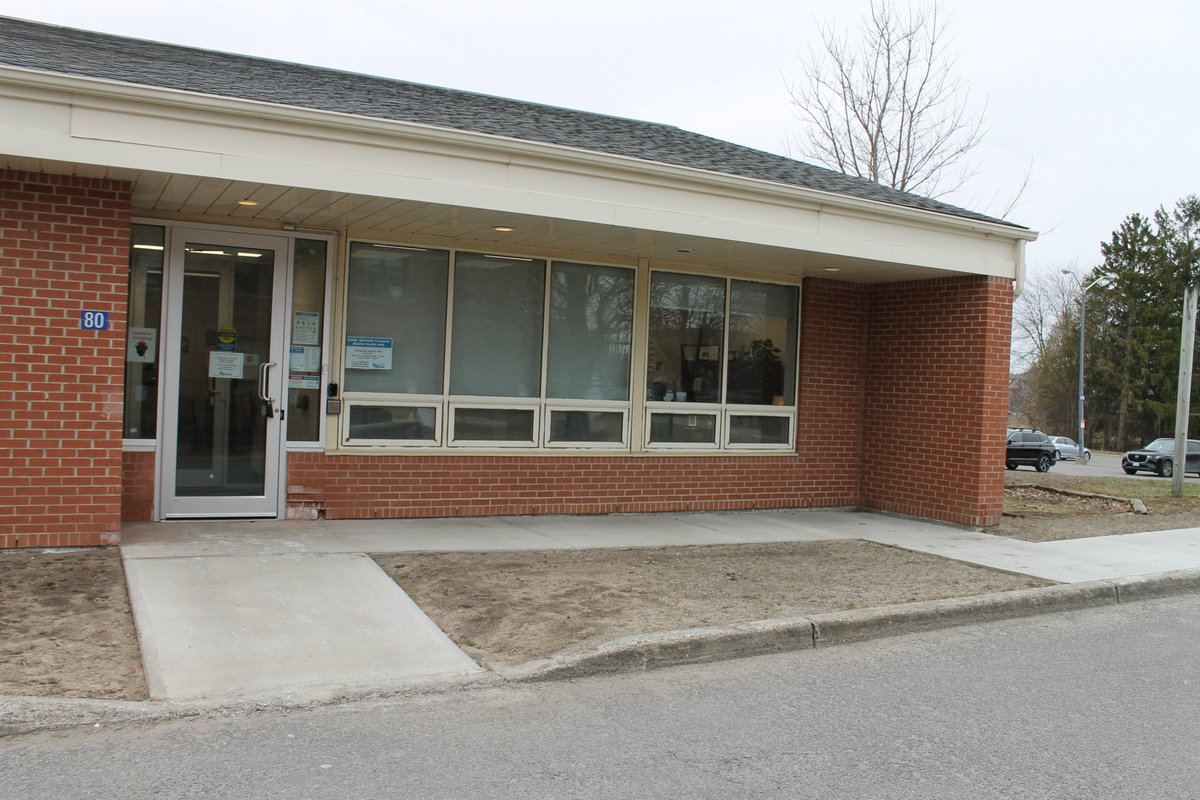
pixel 277 611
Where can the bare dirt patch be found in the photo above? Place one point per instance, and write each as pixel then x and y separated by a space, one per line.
pixel 506 608
pixel 66 628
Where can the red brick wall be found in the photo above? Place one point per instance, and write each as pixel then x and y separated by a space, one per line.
pixel 137 486
pixel 903 392
pixel 63 249
pixel 830 399
pixel 363 486
pixel 937 398
pixel 833 325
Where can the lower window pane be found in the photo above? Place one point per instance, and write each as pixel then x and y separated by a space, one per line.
pixel 759 430
pixel 683 429
pixel 393 422
pixel 493 424
pixel 587 426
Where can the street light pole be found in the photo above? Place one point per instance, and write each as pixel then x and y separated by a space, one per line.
pixel 1083 290
pixel 1080 418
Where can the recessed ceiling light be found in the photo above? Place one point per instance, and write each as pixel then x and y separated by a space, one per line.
pixel 507 258
pixel 247 202
pixel 833 269
pixel 684 250
pixel 503 228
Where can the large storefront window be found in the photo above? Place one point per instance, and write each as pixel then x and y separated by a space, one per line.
pixel 762 344
pixel 497 339
pixel 727 349
pixel 687 332
pixel 591 332
pixel 146 258
pixel 452 349
pixel 535 355
pixel 396 312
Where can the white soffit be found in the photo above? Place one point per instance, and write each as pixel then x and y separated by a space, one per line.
pixel 193 150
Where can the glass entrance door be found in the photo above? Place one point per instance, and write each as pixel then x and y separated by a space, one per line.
pixel 222 433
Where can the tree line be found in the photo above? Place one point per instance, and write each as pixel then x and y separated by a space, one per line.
pixel 1134 307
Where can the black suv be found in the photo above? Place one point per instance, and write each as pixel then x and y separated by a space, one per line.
pixel 1159 456
pixel 1029 447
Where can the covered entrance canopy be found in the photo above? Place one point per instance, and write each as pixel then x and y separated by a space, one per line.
pixel 186 138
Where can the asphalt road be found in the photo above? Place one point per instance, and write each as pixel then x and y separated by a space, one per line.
pixel 1097 703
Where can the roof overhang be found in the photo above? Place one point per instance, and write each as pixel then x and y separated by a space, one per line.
pixel 196 155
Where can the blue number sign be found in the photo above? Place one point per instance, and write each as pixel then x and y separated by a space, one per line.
pixel 94 320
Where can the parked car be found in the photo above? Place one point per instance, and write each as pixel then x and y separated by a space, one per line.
pixel 1068 450
pixel 1030 447
pixel 1159 457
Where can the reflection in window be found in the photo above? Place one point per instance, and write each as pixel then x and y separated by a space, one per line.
pixel 397 303
pixel 744 429
pixel 762 344
pixel 144 328
pixel 687 330
pixel 496 346
pixel 591 329
pixel 493 424
pixel 587 426
pixel 305 355
pixel 683 428
pixel 397 423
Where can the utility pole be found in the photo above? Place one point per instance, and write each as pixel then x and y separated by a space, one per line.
pixel 1184 396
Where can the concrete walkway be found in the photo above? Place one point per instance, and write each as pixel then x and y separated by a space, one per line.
pixel 295 611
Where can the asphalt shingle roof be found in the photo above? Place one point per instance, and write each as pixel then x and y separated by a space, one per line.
pixel 69 51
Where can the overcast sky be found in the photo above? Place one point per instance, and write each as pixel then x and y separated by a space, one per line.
pixel 1099 97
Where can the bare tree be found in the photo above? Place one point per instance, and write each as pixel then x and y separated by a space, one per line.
pixel 889 107
pixel 1047 299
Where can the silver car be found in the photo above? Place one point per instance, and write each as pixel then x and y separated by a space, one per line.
pixel 1068 450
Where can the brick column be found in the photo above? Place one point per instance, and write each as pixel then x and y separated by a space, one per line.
pixel 937 398
pixel 63 250
pixel 829 423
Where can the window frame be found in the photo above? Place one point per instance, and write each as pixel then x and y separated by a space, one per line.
pixel 635 412
pixel 360 399
pixel 147 443
pixel 726 409
pixel 598 406
pixel 326 339
pixel 491 404
pixel 758 411
pixel 662 408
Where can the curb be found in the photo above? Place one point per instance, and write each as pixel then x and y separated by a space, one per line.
pixel 699 645
pixel 23 715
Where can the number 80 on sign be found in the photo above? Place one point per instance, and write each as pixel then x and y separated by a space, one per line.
pixel 94 320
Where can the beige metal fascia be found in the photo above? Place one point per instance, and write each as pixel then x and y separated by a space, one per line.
pixel 689 200
pixel 1019 280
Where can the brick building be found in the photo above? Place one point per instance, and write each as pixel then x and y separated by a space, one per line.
pixel 233 287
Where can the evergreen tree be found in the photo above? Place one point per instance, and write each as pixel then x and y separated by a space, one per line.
pixel 1134 318
pixel 1134 315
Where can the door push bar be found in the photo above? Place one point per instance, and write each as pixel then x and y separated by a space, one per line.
pixel 268 403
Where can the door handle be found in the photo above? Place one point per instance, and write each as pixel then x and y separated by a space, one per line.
pixel 263 388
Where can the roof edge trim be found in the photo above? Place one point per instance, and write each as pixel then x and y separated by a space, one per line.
pixel 101 88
